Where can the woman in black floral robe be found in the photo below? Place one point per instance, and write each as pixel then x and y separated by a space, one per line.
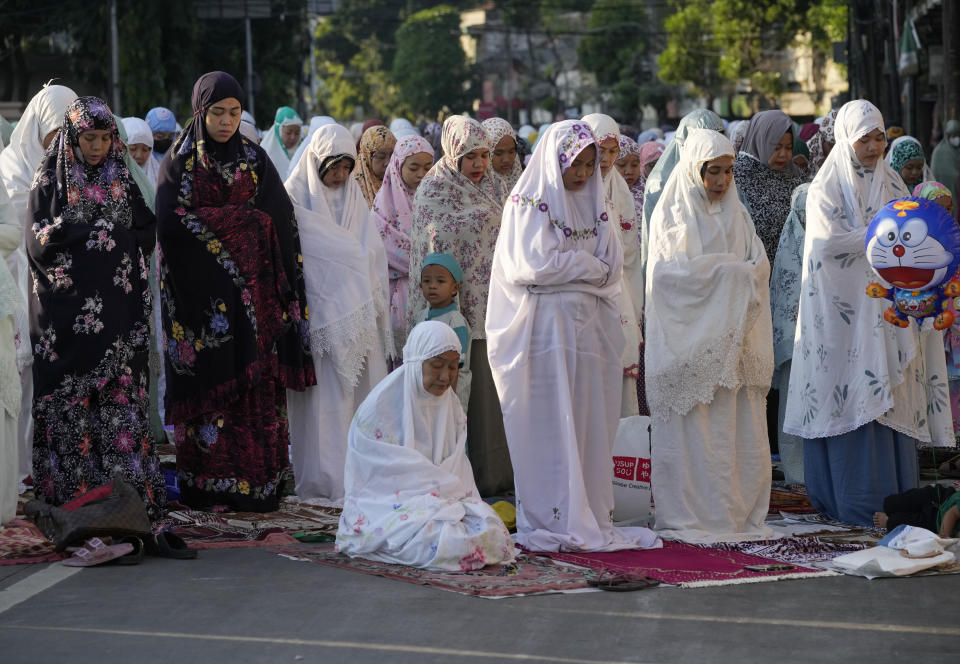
pixel 89 309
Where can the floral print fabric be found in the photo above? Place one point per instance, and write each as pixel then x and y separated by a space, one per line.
pixel 766 194
pixel 236 327
pixel 373 139
pixel 497 129
pixel 850 367
pixel 87 247
pixel 453 215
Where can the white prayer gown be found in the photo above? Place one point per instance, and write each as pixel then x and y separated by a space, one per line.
pixel 18 164
pixel 10 304
pixel 709 357
pixel 555 343
pixel 410 495
pixel 630 300
pixel 346 275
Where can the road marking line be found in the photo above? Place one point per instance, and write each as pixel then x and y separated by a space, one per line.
pixel 382 647
pixel 776 622
pixel 37 582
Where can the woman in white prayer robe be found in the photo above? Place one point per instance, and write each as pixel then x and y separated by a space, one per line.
pixel 624 220
pixel 345 268
pixel 555 342
pixel 863 393
pixel 410 494
pixel 19 162
pixel 709 352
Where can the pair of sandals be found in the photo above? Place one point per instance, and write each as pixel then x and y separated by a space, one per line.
pixel 129 550
pixel 621 582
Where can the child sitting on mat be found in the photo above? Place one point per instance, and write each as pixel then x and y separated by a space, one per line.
pixel 934 507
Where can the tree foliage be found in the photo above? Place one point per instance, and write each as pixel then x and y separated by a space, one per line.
pixel 163 49
pixel 714 45
pixel 430 68
pixel 615 50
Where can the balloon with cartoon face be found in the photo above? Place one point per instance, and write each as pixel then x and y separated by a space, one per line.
pixel 913 245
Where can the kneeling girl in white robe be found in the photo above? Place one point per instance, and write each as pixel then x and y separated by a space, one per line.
pixel 410 494
pixel 554 343
pixel 709 352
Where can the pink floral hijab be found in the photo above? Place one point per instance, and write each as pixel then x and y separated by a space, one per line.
pixel 393 206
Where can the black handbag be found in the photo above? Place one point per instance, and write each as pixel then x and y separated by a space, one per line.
pixel 117 513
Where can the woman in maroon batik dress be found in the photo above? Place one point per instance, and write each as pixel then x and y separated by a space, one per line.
pixel 234 306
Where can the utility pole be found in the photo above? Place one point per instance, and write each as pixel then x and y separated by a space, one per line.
pixel 951 60
pixel 114 59
pixel 246 22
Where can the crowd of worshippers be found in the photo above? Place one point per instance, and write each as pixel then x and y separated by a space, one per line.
pixel 411 319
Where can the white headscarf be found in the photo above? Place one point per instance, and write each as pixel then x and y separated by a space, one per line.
pixel 316 122
pixel 850 367
pixel 708 303
pixel 410 492
pixel 625 220
pixel 345 207
pixel 138 131
pixel 20 160
pixel 551 240
pixel 401 127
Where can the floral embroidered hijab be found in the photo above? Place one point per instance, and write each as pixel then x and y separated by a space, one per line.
pixel 453 215
pixel 84 192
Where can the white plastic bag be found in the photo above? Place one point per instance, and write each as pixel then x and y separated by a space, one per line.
pixel 631 472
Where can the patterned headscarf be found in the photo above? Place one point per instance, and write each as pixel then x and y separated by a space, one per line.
pixel 373 139
pixel 451 214
pixel 823 135
pixel 83 190
pixel 81 212
pixel 931 190
pixel 905 149
pixel 497 129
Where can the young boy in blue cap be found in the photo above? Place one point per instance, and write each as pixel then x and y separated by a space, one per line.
pixel 440 279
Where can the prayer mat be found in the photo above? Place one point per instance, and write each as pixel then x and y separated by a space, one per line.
pixel 293 517
pixel 529 575
pixel 687 565
pixel 791 499
pixel 795 550
pixel 21 542
pixel 203 530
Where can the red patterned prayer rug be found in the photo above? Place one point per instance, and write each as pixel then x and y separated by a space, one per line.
pixel 22 542
pixel 530 575
pixel 687 565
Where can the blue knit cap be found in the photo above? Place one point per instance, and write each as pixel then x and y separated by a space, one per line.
pixel 447 261
pixel 161 119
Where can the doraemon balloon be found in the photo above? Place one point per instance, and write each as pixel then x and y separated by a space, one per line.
pixel 913 244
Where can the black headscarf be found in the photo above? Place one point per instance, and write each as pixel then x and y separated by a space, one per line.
pixel 225 225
